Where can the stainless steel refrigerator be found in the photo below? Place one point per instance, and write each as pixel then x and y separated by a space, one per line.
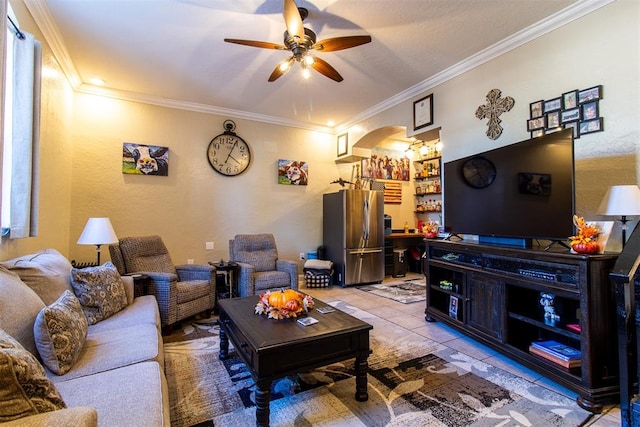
pixel 353 235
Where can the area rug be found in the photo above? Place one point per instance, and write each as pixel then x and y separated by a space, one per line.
pixel 405 291
pixel 412 381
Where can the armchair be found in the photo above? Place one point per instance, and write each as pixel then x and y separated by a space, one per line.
pixel 259 266
pixel 181 291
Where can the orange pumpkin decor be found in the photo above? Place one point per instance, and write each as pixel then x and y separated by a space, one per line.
pixel 283 304
pixel 586 241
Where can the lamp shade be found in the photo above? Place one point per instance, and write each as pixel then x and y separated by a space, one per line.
pixel 98 231
pixel 621 200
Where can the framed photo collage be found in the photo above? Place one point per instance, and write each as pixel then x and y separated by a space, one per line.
pixel 576 109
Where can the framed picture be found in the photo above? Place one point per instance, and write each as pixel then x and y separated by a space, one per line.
pixel 590 110
pixel 591 94
pixel 570 100
pixel 553 119
pixel 139 159
pixel 343 144
pixel 575 127
pixel 552 104
pixel 537 123
pixel 571 115
pixel 293 172
pixel 535 109
pixel 536 133
pixel 591 126
pixel 423 112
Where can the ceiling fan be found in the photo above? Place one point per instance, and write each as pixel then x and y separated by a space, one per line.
pixel 301 42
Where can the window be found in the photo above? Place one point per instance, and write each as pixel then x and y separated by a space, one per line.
pixel 21 121
pixel 5 215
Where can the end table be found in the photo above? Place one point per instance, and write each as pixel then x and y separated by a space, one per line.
pixel 139 284
pixel 230 270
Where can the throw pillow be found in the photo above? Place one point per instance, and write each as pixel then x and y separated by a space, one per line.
pixel 47 272
pixel 19 306
pixel 25 388
pixel 100 291
pixel 60 332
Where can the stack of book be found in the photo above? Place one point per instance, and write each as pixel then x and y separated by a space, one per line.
pixel 556 352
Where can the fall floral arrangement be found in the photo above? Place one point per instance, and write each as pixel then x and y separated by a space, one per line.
pixel 430 229
pixel 283 304
pixel 586 241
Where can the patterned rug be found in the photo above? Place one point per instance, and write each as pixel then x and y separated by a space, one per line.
pixel 413 381
pixel 405 291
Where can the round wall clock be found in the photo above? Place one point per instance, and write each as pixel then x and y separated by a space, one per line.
pixel 479 172
pixel 229 154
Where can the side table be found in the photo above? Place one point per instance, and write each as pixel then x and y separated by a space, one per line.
pixel 139 284
pixel 230 270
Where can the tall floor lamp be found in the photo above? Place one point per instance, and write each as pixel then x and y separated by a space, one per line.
pixel 622 201
pixel 98 231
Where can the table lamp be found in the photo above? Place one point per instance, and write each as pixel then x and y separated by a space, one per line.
pixel 621 200
pixel 98 231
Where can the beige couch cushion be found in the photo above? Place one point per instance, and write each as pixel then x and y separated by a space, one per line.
pixel 144 398
pixel 47 272
pixel 24 388
pixel 60 332
pixel 19 306
pixel 100 290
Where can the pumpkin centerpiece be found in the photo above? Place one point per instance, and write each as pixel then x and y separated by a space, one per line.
pixel 283 303
pixel 586 241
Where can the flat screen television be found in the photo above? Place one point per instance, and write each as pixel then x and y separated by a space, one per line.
pixel 513 194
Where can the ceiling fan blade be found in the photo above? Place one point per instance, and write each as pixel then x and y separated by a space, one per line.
pixel 323 67
pixel 293 20
pixel 253 43
pixel 282 68
pixel 339 43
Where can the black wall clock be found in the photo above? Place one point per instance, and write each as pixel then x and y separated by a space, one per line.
pixel 479 172
pixel 229 154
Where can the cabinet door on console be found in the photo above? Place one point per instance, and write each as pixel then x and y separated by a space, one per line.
pixel 486 303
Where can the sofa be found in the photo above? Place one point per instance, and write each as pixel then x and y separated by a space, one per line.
pixel 76 347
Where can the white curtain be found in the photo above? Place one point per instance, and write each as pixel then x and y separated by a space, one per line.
pixel 25 140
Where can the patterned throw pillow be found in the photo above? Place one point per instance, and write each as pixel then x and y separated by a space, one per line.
pixel 100 290
pixel 25 388
pixel 60 332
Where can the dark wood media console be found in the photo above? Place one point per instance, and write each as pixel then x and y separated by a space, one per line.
pixel 493 293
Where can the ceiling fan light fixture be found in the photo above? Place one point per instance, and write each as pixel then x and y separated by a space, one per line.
pixel 286 64
pixel 309 59
pixel 306 73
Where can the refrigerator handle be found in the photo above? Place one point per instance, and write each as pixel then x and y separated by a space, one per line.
pixel 366 219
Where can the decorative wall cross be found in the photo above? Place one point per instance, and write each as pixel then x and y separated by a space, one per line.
pixel 492 110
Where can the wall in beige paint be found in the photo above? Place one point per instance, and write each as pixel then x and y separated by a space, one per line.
pixel 600 48
pixel 82 138
pixel 195 204
pixel 55 156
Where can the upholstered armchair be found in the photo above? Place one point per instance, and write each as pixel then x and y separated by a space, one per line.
pixel 181 291
pixel 259 266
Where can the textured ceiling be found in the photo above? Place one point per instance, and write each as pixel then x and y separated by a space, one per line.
pixel 172 51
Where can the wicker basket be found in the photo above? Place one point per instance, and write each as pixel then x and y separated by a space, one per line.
pixel 318 278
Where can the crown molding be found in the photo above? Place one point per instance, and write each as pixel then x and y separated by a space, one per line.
pixel 197 107
pixel 539 29
pixel 45 22
pixel 43 18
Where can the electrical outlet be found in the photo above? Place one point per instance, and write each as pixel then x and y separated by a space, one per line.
pixel 189 261
pixel 209 246
pixel 302 256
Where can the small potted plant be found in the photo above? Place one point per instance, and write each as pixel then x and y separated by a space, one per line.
pixel 586 241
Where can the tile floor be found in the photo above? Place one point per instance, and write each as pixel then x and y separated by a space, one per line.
pixel 411 317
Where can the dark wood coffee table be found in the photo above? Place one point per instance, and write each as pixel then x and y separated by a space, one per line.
pixel 275 348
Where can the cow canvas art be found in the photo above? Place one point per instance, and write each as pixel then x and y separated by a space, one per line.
pixel 142 159
pixel 293 172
